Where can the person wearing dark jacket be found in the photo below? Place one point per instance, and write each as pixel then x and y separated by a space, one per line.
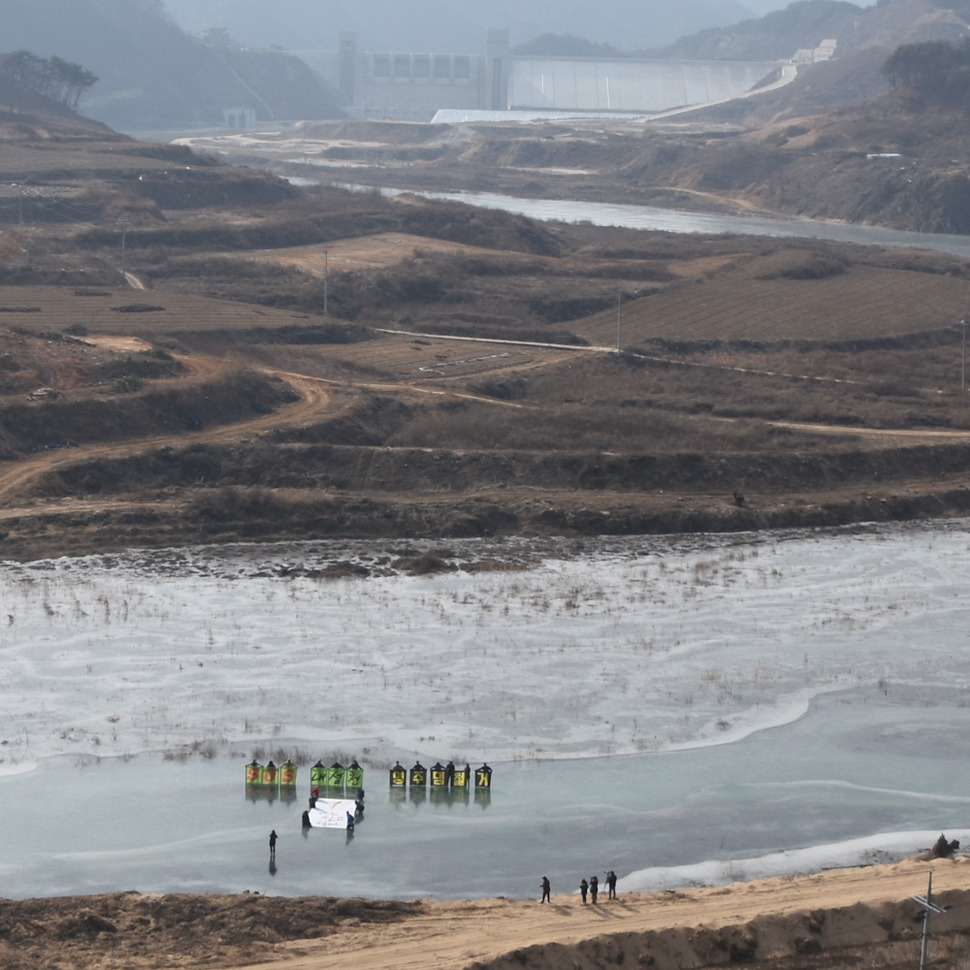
pixel 583 889
pixel 611 884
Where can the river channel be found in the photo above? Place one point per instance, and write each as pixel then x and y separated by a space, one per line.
pixel 677 220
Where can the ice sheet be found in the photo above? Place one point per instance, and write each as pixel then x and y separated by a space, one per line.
pixel 594 650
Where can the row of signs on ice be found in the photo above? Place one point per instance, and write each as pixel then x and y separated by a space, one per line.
pixel 284 775
pixel 440 776
pixel 351 777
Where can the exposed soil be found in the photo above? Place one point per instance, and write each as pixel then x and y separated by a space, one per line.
pixel 475 393
pixel 858 917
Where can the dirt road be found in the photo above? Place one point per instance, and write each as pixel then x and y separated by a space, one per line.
pixel 36 523
pixel 840 918
pixel 315 398
pixel 454 936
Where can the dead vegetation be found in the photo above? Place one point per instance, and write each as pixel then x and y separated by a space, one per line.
pixel 127 930
pixel 339 363
pixel 764 367
pixel 665 930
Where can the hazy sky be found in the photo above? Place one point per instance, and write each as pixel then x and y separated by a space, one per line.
pixel 458 25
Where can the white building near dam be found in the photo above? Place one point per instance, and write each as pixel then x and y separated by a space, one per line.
pixel 416 85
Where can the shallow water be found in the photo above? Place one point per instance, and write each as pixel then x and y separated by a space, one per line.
pixel 656 218
pixel 858 763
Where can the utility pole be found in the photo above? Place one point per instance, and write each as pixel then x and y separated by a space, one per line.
pixel 928 907
pixel 123 225
pixel 963 357
pixel 619 316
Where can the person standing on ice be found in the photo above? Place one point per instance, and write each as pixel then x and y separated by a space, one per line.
pixel 545 890
pixel 272 844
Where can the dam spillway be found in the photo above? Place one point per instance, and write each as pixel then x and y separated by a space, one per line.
pixel 573 84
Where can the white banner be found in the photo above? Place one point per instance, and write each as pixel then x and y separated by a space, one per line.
pixel 331 813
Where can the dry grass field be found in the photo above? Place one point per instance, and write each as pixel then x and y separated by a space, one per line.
pixel 275 363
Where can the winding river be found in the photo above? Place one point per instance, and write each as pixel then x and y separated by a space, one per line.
pixel 678 220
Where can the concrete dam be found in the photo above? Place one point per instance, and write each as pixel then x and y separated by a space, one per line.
pixel 561 84
pixel 414 86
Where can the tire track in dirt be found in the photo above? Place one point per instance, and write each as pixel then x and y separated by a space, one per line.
pixel 910 435
pixel 321 397
pixel 315 400
pixel 914 435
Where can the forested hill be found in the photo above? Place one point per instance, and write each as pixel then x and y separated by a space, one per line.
pixel 153 75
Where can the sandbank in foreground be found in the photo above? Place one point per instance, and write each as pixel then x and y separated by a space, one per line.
pixel 825 919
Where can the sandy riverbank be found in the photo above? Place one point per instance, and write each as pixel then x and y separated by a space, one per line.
pixel 783 920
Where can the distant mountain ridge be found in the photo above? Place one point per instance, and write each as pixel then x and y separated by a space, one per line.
pixel 805 23
pixel 457 26
pixel 152 75
pixel 865 39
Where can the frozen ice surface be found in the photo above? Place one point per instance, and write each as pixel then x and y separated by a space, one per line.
pixel 709 702
pixel 824 790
